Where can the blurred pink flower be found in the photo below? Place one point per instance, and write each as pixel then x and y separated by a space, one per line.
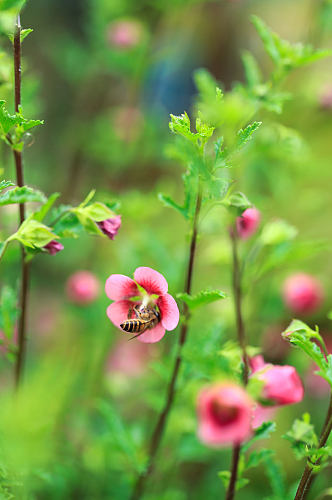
pixel 224 414
pixel 325 99
pixel 125 33
pixel 110 227
pixel 262 414
pixel 282 384
pixel 129 358
pixel 82 287
pixel 248 222
pixel 302 293
pixel 128 122
pixel 53 247
pixel 121 289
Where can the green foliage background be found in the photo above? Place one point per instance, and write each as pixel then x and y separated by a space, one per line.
pixel 77 429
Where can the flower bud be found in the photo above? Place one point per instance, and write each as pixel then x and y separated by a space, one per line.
pixel 282 384
pixel 302 293
pixel 82 287
pixel 125 34
pixel 53 247
pixel 225 414
pixel 247 223
pixel 111 226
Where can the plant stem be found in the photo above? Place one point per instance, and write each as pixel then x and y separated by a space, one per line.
pixel 160 427
pixel 20 182
pixel 237 292
pixel 307 476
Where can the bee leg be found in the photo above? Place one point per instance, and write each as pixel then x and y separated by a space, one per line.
pixel 130 313
pixel 139 334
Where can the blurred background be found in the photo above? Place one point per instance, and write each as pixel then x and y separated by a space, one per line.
pixel 105 76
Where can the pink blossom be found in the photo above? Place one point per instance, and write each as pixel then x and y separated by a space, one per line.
pixel 282 384
pixel 262 414
pixel 125 33
pixel 110 227
pixel 53 247
pixel 248 222
pixel 129 358
pixel 302 293
pixel 82 287
pixel 126 294
pixel 225 414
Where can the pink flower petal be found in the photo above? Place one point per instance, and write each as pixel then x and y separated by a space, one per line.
pixel 153 335
pixel 118 311
pixel 169 311
pixel 119 287
pixel 151 280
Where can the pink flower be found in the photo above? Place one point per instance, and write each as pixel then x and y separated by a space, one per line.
pixel 53 247
pixel 125 34
pixel 224 414
pixel 129 358
pixel 262 414
pixel 282 384
pixel 248 222
pixel 126 294
pixel 82 287
pixel 110 227
pixel 302 293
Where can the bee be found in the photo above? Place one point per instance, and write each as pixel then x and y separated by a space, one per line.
pixel 146 318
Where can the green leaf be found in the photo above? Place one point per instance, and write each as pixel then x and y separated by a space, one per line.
pixel 202 298
pixel 326 373
pixel 8 311
pixel 256 457
pixel 262 432
pixel 277 232
pixel 251 69
pixel 268 38
pixel 7 121
pixel 88 198
pixel 5 184
pixel 23 194
pixel 34 234
pixel 238 201
pixel 44 209
pixel 225 476
pixel 11 4
pixel 97 212
pixel 181 125
pixel 244 135
pixel 25 32
pixel 168 202
pixel 303 438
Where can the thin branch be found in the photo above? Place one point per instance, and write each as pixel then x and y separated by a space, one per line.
pixel 20 182
pixel 160 427
pixel 237 292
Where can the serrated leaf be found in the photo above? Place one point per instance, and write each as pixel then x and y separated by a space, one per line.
pixel 25 32
pixel 23 194
pixel 5 184
pixel 244 135
pixel 267 38
pixel 202 298
pixel 256 457
pixel 262 432
pixel 225 476
pixel 95 211
pixel 34 234
pixel 7 121
pixel 251 69
pixel 169 202
pixel 326 373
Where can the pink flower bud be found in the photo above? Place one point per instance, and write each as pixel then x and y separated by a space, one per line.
pixel 302 293
pixel 125 34
pixel 53 247
pixel 82 287
pixel 110 227
pixel 225 414
pixel 248 222
pixel 282 384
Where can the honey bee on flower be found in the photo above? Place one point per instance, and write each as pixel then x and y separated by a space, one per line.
pixel 146 298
